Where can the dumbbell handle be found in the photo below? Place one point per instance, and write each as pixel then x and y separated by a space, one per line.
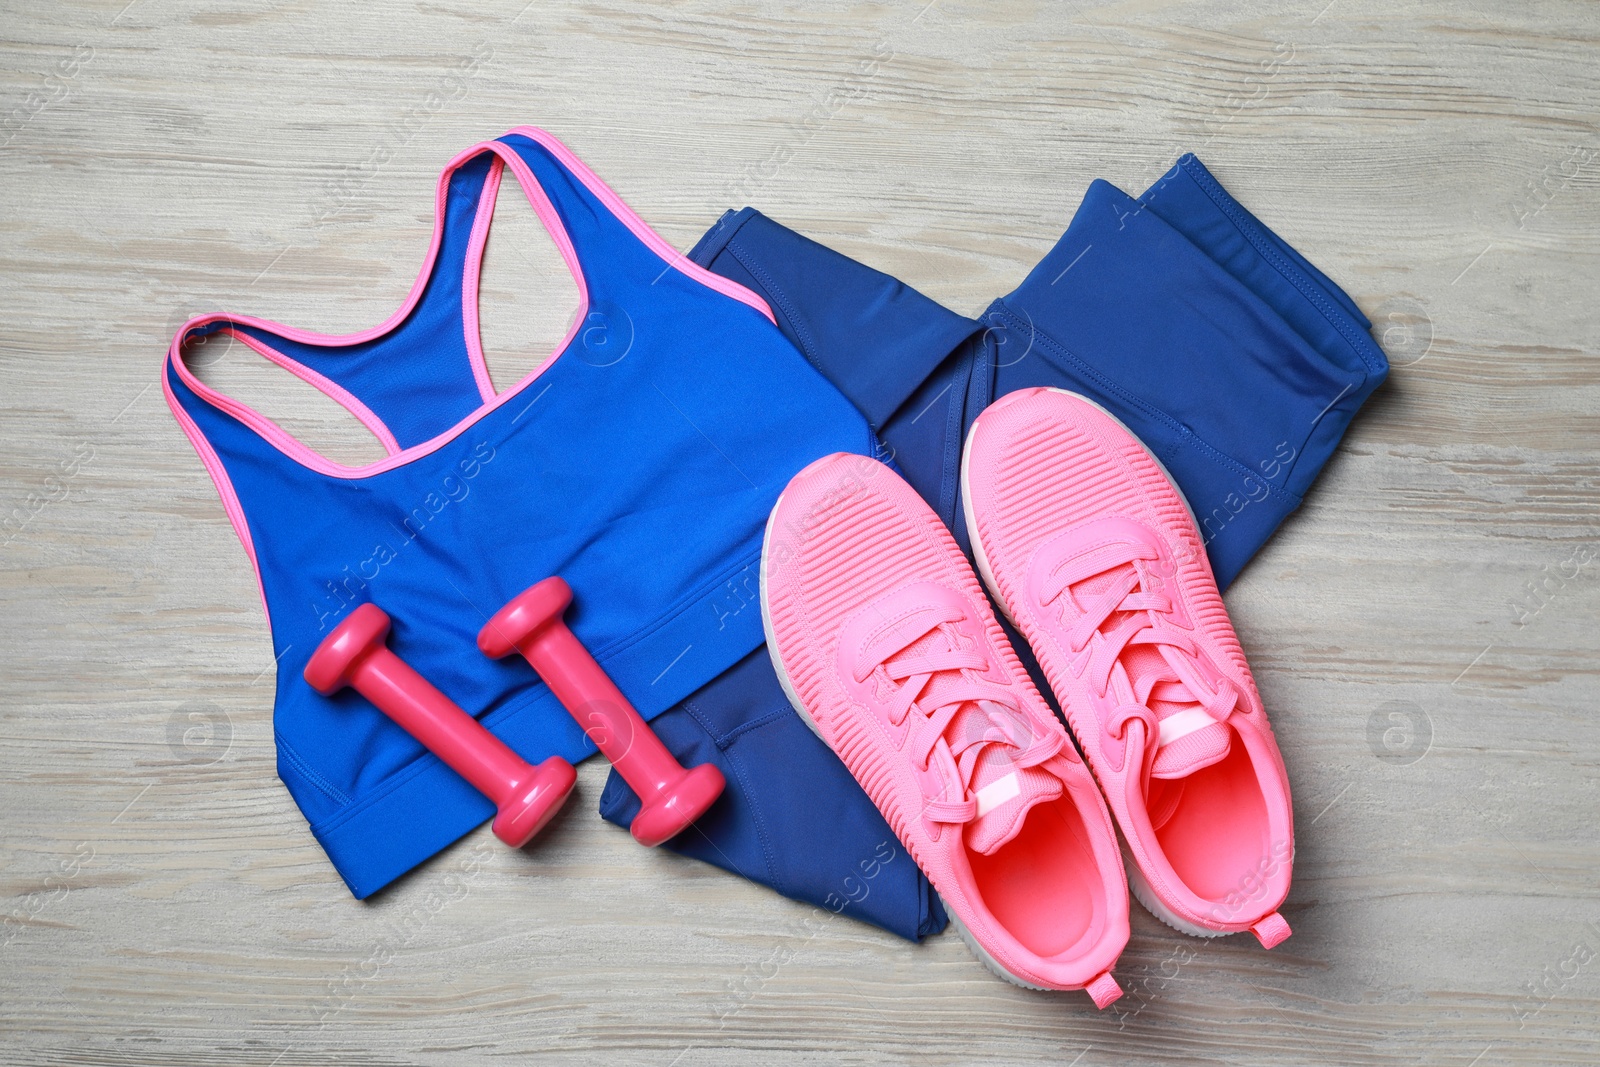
pixel 443 728
pixel 670 797
pixel 594 700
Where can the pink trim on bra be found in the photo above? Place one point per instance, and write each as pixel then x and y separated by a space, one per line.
pixel 225 490
pixel 469 279
pixel 629 218
pixel 333 389
pixel 551 221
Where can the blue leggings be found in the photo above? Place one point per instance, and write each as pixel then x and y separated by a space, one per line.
pixel 1231 356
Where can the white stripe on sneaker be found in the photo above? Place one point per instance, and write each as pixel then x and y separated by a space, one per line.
pixel 1183 723
pixel 997 793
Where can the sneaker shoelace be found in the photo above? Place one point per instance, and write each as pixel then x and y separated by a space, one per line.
pixel 931 664
pixel 1121 605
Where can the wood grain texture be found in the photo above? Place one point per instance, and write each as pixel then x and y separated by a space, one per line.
pixel 165 903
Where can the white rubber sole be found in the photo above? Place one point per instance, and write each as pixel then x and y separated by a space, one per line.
pixel 988 960
pixel 1145 894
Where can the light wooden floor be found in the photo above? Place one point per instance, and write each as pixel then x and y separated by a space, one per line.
pixel 1426 631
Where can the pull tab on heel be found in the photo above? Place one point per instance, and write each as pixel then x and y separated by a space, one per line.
pixel 1271 931
pixel 1103 990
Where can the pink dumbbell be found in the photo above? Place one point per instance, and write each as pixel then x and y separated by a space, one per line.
pixel 355 655
pixel 531 624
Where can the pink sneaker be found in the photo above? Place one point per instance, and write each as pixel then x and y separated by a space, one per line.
pixel 888 649
pixel 1096 559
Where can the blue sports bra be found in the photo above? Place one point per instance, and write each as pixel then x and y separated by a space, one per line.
pixel 639 462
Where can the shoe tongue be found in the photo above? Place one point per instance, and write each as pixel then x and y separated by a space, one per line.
pixel 1192 749
pixel 1005 793
pixel 1191 752
pixel 1188 748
